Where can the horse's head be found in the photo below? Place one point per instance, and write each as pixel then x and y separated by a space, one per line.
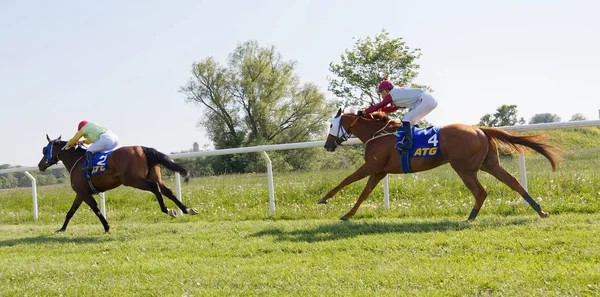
pixel 369 125
pixel 51 152
pixel 337 134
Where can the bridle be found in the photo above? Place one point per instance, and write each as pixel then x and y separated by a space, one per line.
pixel 50 160
pixel 347 134
pixel 339 139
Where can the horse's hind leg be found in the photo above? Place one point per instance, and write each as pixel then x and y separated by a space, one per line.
pixel 154 175
pixel 170 195
pixel 371 183
pixel 91 202
pixel 478 191
pixel 493 167
pixel 152 186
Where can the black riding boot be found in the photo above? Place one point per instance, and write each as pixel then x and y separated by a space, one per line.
pixel 408 137
pixel 88 158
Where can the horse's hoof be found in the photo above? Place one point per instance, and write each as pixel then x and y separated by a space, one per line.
pixel 60 230
pixel 343 218
pixel 172 212
pixel 322 201
pixel 192 211
pixel 544 215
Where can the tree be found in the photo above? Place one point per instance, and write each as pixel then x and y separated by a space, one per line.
pixel 544 118
pixel 577 117
pixel 254 99
pixel 368 63
pixel 506 115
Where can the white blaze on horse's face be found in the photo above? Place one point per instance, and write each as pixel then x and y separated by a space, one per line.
pixel 336 128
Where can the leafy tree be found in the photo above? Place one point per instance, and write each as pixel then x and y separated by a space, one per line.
pixel 371 60
pixel 254 99
pixel 8 180
pixel 577 117
pixel 544 118
pixel 506 115
pixel 368 63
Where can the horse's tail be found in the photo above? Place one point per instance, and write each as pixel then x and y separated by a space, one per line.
pixel 155 157
pixel 534 142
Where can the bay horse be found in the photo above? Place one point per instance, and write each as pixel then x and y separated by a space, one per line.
pixel 134 166
pixel 468 149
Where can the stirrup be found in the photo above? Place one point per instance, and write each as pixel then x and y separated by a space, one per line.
pixel 403 146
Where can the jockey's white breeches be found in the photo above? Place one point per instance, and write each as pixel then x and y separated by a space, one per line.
pixel 107 141
pixel 423 107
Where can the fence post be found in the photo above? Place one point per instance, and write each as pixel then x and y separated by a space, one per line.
pixel 270 176
pixel 386 192
pixel 34 194
pixel 178 190
pixel 523 173
pixel 103 204
pixel 522 170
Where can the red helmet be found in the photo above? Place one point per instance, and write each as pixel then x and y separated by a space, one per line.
pixel 81 124
pixel 385 85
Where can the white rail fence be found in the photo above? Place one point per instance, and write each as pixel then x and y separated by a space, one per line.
pixel 301 145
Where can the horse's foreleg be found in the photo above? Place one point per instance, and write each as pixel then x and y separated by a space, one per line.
pixel 373 181
pixel 359 174
pixel 167 192
pixel 71 212
pixel 91 202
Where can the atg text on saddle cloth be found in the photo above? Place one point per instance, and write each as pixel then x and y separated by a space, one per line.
pixel 425 142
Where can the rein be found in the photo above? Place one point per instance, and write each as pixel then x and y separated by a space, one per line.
pixel 73 167
pixel 386 133
pixel 375 135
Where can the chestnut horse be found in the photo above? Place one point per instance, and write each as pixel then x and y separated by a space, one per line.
pixel 134 166
pixel 468 149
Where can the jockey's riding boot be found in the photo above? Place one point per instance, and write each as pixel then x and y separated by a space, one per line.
pixel 88 160
pixel 406 144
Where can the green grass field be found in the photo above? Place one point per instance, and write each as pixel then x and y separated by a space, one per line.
pixel 420 246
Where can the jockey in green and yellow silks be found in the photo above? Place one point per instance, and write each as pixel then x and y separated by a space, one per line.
pixel 100 138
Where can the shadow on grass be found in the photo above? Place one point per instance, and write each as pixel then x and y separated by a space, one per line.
pixel 343 230
pixel 43 239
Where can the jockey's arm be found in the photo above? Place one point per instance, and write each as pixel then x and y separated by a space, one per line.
pixel 87 141
pixel 73 140
pixel 387 100
pixel 388 109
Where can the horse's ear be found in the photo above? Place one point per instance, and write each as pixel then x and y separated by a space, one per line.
pixel 47 137
pixel 339 112
pixel 59 138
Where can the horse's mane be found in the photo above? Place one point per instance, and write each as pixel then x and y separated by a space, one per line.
pixel 75 150
pixel 378 116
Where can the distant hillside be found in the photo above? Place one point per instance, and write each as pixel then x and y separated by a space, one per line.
pixel 572 139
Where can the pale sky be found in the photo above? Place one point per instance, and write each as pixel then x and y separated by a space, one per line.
pixel 121 63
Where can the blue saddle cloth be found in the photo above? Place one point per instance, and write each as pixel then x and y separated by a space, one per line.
pixel 425 145
pixel 99 164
